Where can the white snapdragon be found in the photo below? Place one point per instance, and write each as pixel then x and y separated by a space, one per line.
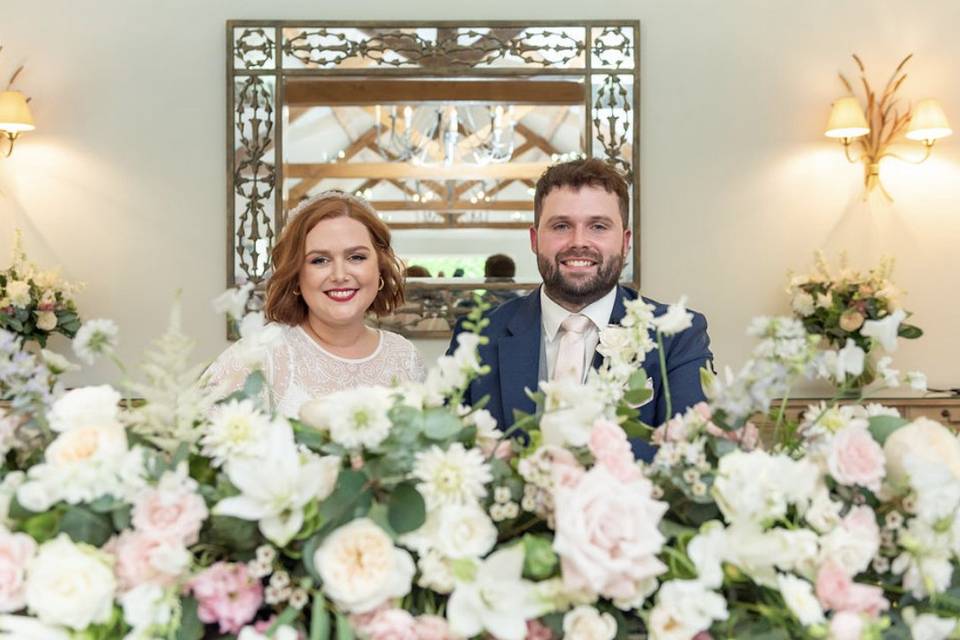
pixel 798 596
pixel 884 331
pixel 675 320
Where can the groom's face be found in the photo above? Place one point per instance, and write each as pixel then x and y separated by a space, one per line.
pixel 580 243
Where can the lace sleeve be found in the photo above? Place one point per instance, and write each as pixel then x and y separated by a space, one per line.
pixel 418 372
pixel 228 372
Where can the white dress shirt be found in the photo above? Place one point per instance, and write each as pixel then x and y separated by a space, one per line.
pixel 552 315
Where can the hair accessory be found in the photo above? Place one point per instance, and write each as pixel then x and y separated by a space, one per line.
pixel 332 194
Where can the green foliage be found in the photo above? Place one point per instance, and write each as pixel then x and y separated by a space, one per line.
pixel 344 628
pixel 351 499
pixel 83 525
pixel 439 424
pixel 319 618
pixel 540 561
pixel 407 510
pixel 190 626
pixel 232 533
pixel 882 426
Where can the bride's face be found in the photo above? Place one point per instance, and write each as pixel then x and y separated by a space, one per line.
pixel 340 272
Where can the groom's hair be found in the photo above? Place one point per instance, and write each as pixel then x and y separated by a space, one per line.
pixel 284 302
pixel 576 174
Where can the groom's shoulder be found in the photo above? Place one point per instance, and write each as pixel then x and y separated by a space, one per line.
pixel 500 315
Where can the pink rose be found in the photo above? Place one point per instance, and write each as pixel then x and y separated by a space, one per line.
pixel 143 558
pixel 845 626
pixel 835 590
pixel 391 624
pixel 429 627
pixel 607 535
pixel 16 550
pixel 609 445
pixel 176 514
pixel 564 468
pixel 855 458
pixel 228 595
pixel 536 630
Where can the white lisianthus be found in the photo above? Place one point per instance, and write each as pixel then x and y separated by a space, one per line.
pixel 675 320
pixel 277 485
pixel 684 608
pixel 454 476
pixel 18 292
pixel 803 304
pixel 925 563
pixel 233 302
pixel 56 363
pixel 586 623
pixel 96 338
pixel 917 380
pixel 359 417
pixel 455 531
pixel 237 430
pixel 616 342
pixel 495 598
pixel 361 568
pixel 148 608
pixel 884 331
pixel 46 320
pixel 928 441
pixel 24 628
pixel 927 626
pixel 798 596
pixel 70 584
pixel 435 572
pixel 85 407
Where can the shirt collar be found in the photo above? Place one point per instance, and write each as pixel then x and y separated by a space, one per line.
pixel 553 314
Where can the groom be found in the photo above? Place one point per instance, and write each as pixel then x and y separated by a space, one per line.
pixel 580 236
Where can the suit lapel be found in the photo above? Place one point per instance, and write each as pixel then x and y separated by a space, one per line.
pixel 519 357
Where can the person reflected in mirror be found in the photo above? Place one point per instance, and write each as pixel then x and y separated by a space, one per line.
pixel 332 266
pixel 580 237
pixel 416 271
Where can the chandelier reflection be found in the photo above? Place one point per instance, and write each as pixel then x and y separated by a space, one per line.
pixel 446 134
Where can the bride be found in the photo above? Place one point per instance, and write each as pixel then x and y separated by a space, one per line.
pixel 331 266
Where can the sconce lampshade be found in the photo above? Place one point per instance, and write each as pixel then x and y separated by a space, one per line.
pixel 846 120
pixel 928 122
pixel 14 112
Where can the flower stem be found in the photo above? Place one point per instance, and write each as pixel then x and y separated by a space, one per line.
pixel 663 374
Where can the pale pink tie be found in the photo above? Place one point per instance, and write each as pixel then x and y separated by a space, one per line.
pixel 570 355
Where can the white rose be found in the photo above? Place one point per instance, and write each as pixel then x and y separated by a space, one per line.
pixel 84 407
pixel 435 573
pixel 465 531
pixel 70 585
pixel 19 293
pixel 586 623
pixel 926 440
pixel 145 606
pixel 46 320
pixel 105 444
pixel 25 628
pixel 616 342
pixel 361 568
pixel 283 632
pixel 798 596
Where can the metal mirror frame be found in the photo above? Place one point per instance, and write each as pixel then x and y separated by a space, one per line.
pixel 262 54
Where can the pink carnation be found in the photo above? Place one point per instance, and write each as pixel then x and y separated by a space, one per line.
pixel 176 514
pixel 143 558
pixel 536 630
pixel 855 458
pixel 391 624
pixel 673 430
pixel 429 627
pixel 228 595
pixel 609 445
pixel 16 550
pixel 835 590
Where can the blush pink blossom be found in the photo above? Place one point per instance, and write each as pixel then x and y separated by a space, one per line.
pixel 607 535
pixel 855 458
pixel 227 595
pixel 16 550
pixel 145 559
pixel 609 445
pixel 673 430
pixel 391 624
pixel 175 514
pixel 429 627
pixel 846 625
pixel 564 468
pixel 835 590
pixel 536 630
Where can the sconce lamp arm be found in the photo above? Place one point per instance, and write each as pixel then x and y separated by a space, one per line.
pixel 10 138
pixel 927 149
pixel 846 151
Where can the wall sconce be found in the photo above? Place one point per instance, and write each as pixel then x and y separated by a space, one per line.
pixel 883 125
pixel 15 116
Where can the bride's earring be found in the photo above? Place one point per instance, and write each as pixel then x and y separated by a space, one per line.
pixel 296 292
pixel 382 284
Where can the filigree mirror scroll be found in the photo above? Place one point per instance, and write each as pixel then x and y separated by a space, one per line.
pixel 443 127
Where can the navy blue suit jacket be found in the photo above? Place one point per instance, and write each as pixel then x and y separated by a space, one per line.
pixel 513 354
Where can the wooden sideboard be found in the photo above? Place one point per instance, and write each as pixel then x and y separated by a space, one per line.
pixel 945 410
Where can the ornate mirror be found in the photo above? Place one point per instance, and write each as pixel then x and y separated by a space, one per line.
pixel 443 127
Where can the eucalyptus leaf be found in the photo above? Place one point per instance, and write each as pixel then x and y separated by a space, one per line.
pixel 407 510
pixel 83 525
pixel 190 626
pixel 882 426
pixel 254 384
pixel 440 424
pixel 233 533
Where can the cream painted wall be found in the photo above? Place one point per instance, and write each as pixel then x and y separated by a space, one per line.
pixel 123 183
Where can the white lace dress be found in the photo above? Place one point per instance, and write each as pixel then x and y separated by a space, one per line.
pixel 298 369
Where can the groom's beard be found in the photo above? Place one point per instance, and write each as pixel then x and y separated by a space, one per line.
pixel 582 291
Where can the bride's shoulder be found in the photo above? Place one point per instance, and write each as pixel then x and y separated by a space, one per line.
pixel 396 343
